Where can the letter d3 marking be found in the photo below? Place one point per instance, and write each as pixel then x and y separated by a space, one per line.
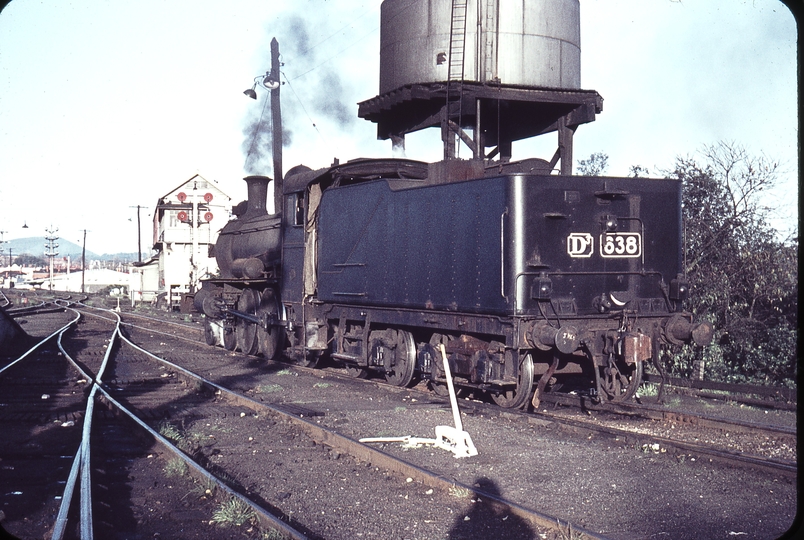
pixel 580 245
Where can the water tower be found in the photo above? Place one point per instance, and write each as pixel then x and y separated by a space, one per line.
pixel 487 72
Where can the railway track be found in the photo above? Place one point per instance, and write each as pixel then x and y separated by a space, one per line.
pixel 330 409
pixel 66 468
pixel 169 398
pixel 302 401
pixel 711 436
pixel 295 415
pixel 757 444
pixel 730 440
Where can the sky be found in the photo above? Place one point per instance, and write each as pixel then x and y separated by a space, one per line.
pixel 107 105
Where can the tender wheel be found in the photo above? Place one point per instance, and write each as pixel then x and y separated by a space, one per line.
pixel 619 381
pixel 356 371
pixel 431 356
pixel 271 339
pixel 310 359
pixel 512 399
pixel 245 331
pixel 400 362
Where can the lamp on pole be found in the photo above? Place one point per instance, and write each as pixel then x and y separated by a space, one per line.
pixel 272 82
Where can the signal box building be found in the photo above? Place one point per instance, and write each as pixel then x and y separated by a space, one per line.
pixel 186 225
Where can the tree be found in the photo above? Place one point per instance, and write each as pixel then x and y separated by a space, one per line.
pixel 743 279
pixel 29 260
pixel 596 165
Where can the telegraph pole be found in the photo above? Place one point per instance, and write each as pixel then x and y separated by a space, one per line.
pixel 50 249
pixel 139 234
pixel 2 241
pixel 83 260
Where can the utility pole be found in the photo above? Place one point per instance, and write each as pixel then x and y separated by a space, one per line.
pixel 276 122
pixel 83 260
pixel 139 234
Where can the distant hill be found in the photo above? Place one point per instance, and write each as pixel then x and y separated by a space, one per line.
pixel 36 246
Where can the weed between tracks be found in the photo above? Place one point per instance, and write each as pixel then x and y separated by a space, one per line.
pixel 175 467
pixel 649 389
pixel 566 533
pixel 234 512
pixel 203 490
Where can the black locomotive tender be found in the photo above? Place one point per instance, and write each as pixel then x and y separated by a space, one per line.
pixel 524 276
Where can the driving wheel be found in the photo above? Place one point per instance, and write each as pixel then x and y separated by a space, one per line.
pixel 246 331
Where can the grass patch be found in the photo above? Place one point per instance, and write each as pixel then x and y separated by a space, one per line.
pixel 321 385
pixel 459 492
pixel 186 441
pixel 234 512
pixel 649 389
pixel 269 388
pixel 169 431
pixel 566 533
pixel 175 467
pixel 203 490
pixel 284 372
pixel 673 401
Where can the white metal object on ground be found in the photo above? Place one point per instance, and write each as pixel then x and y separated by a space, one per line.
pixel 453 439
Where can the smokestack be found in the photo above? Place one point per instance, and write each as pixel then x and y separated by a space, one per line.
pixel 257 195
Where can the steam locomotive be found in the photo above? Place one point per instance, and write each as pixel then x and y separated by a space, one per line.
pixel 525 277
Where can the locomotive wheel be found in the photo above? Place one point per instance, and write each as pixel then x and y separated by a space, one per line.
pixel 229 338
pixel 512 399
pixel 401 361
pixel 209 333
pixel 271 339
pixel 246 331
pixel 620 381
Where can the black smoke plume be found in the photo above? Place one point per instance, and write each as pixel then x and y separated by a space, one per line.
pixel 314 89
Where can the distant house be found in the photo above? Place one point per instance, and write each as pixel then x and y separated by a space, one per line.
pixel 186 224
pixel 143 285
pixel 92 282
